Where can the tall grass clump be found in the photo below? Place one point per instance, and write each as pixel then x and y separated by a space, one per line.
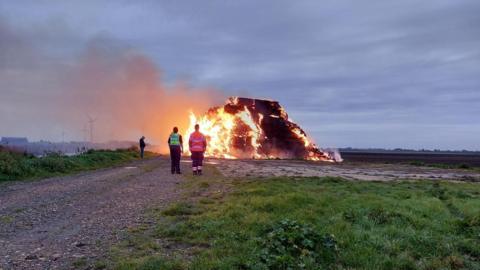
pixel 16 165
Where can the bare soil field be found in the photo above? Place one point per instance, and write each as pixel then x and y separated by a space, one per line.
pixel 470 159
pixel 348 170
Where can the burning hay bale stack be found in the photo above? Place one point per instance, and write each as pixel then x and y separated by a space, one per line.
pixel 254 128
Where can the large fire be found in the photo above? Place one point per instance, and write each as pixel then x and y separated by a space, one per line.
pixel 253 128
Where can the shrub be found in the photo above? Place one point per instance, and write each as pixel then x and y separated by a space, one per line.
pixel 289 244
pixel 9 164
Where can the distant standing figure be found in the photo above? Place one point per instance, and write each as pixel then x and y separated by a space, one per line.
pixel 198 146
pixel 175 142
pixel 142 146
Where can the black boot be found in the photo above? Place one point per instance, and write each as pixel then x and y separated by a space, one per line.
pixel 199 172
pixel 194 172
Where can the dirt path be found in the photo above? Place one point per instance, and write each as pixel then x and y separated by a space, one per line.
pixel 57 222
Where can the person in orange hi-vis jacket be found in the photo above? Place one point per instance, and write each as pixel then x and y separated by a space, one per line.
pixel 198 145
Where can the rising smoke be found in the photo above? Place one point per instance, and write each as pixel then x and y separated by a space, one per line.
pixel 45 92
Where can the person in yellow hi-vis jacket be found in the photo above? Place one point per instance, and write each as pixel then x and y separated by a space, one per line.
pixel 175 143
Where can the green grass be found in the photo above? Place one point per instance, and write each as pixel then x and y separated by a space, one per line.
pixel 359 225
pixel 180 209
pixel 19 166
pixel 152 263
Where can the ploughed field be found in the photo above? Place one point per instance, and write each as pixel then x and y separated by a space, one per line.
pixel 350 170
pixel 415 158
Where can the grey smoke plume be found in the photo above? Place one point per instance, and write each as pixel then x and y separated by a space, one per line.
pixel 119 86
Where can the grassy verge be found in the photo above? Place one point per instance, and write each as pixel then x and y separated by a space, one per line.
pixel 19 166
pixel 314 223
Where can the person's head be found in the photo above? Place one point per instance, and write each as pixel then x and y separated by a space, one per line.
pixel 175 130
pixel 197 127
pixel 143 137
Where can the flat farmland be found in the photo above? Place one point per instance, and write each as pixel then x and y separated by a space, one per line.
pixel 469 159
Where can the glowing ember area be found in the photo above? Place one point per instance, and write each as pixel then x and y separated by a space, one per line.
pixel 253 128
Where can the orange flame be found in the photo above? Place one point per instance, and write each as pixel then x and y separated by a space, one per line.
pixel 239 134
pixel 218 127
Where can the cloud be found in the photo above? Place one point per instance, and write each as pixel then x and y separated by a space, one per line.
pixel 358 65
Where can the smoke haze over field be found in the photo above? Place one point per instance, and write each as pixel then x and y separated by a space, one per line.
pixel 124 91
pixel 351 73
pixel 119 87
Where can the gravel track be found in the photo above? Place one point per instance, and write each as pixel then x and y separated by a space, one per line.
pixel 57 222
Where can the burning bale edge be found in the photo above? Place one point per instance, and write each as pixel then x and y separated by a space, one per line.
pixel 259 129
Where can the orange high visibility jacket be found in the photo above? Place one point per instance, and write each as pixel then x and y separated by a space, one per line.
pixel 197 142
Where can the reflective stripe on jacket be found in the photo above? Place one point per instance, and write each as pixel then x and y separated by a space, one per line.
pixel 197 142
pixel 174 139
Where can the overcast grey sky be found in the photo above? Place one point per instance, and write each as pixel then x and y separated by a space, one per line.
pixel 352 73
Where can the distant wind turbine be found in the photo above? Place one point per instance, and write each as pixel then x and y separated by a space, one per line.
pixel 85 132
pixel 91 121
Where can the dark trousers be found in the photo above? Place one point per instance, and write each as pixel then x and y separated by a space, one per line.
pixel 142 150
pixel 197 160
pixel 175 154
